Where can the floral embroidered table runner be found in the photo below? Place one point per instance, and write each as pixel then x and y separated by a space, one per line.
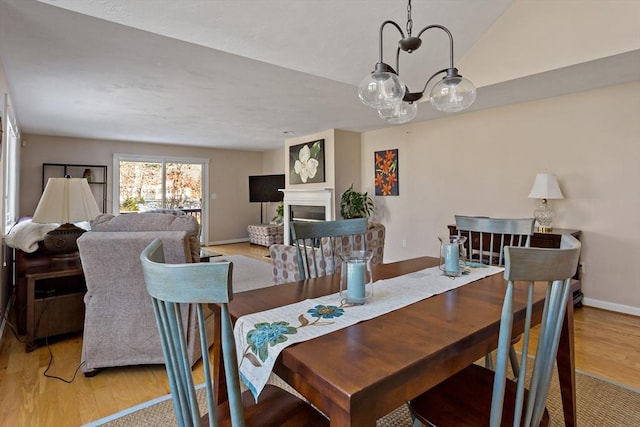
pixel 260 337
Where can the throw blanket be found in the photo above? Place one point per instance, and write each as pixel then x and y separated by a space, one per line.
pixel 25 235
pixel 260 337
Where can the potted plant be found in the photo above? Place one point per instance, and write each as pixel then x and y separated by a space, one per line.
pixel 279 218
pixel 355 204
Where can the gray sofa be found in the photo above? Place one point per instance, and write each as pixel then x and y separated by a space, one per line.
pixel 119 326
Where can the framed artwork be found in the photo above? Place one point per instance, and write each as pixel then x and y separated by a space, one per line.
pixel 386 173
pixel 306 162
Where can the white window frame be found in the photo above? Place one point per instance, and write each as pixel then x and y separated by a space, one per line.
pixel 204 217
pixel 10 171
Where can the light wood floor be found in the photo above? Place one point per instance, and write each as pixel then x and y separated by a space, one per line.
pixel 607 344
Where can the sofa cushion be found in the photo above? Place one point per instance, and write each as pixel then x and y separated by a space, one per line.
pixel 149 221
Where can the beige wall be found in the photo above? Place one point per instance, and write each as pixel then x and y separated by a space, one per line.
pixel 272 164
pixel 229 213
pixel 534 36
pixel 484 163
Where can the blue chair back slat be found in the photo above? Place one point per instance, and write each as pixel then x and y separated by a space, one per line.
pixel 555 267
pixel 318 243
pixel 170 285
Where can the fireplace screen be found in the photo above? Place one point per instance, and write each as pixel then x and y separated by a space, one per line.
pixel 306 213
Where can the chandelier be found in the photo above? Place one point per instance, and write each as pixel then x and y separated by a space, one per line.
pixel 384 91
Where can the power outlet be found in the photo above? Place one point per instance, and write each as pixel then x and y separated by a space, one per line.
pixel 582 269
pixel 404 243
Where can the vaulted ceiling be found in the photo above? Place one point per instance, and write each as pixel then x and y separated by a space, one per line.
pixel 239 74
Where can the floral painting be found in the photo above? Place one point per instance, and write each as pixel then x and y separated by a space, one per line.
pixel 386 173
pixel 306 162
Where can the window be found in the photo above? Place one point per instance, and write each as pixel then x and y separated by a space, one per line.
pixel 10 158
pixel 152 183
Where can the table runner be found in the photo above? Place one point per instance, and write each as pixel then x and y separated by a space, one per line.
pixel 260 337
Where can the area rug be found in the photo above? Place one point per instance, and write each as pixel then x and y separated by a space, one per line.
pixel 599 403
pixel 248 273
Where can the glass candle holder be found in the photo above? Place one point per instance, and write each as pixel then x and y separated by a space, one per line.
pixel 452 255
pixel 356 282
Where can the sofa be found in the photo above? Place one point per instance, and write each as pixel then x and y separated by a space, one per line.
pixel 119 326
pixel 284 258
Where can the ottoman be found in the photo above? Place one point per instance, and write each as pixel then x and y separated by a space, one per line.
pixel 265 234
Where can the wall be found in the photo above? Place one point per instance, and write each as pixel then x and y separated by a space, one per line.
pixel 534 36
pixel 5 272
pixel 272 164
pixel 229 213
pixel 484 163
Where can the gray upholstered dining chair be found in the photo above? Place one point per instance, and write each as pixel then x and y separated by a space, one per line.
pixel 318 244
pixel 205 283
pixel 477 396
pixel 486 240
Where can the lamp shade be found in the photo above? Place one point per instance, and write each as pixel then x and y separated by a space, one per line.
pixel 546 187
pixel 66 200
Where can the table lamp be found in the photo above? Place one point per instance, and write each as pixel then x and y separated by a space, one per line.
pixel 545 187
pixel 65 200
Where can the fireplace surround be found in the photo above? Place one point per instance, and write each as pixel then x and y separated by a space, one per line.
pixel 319 198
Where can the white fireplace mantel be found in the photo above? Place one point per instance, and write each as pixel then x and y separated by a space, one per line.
pixel 312 197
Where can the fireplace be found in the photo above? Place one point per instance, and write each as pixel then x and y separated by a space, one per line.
pixel 307 205
pixel 306 213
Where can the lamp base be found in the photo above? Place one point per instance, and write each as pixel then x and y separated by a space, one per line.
pixel 62 240
pixel 65 260
pixel 544 215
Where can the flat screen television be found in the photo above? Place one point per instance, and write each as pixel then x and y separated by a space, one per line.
pixel 264 188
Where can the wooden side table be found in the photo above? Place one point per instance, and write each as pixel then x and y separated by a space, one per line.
pixel 54 302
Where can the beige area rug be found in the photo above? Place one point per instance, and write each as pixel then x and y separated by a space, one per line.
pixel 248 273
pixel 599 403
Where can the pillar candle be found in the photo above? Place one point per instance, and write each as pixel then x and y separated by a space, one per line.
pixel 451 258
pixel 355 281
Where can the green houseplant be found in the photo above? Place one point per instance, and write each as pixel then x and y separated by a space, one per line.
pixel 279 218
pixel 355 204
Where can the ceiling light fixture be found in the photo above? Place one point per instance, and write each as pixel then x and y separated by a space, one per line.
pixel 386 92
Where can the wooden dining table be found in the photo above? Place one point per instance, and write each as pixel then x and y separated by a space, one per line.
pixel 361 373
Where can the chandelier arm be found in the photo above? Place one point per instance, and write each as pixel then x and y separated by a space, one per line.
pixel 450 40
pixel 432 77
pixel 382 28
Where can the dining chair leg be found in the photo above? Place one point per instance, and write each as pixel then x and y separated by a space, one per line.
pixel 488 361
pixel 513 358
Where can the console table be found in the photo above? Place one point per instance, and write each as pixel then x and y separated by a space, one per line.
pixel 54 302
pixel 550 239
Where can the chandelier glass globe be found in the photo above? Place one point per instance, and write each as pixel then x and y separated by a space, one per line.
pixel 381 90
pixel 453 94
pixel 402 112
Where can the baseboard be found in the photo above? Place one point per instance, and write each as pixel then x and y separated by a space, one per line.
pixel 226 242
pixel 605 305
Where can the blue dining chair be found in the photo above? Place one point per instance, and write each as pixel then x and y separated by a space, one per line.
pixel 318 244
pixel 486 240
pixel 477 396
pixel 171 285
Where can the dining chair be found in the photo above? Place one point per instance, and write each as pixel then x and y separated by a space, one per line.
pixel 477 396
pixel 487 237
pixel 486 240
pixel 318 244
pixel 200 284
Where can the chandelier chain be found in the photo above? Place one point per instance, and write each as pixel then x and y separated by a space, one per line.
pixel 409 20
